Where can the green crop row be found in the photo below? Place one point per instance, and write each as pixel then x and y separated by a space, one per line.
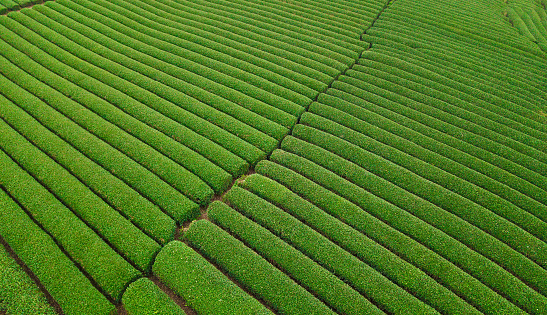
pixel 165 168
pixel 108 269
pixel 528 156
pixel 422 165
pixel 149 185
pixel 508 245
pixel 530 25
pixel 309 71
pixel 259 77
pixel 19 294
pixel 305 45
pixel 244 57
pixel 365 279
pixel 200 284
pixel 470 32
pixel 455 63
pixel 487 176
pixel 333 42
pixel 121 197
pixel 339 31
pixel 286 97
pixel 347 200
pixel 176 118
pixel 468 55
pixel 267 118
pixel 177 123
pixel 73 292
pixel 495 108
pixel 330 289
pixel 176 79
pixel 256 274
pixel 389 105
pixel 309 59
pixel 477 84
pixel 211 174
pixel 464 41
pixel 399 257
pixel 97 214
pixel 143 297
pixel 256 92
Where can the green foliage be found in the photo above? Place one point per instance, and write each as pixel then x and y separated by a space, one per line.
pixel 56 272
pixel 200 284
pixel 399 186
pixel 143 213
pixel 490 177
pixel 143 297
pixel 341 197
pixel 421 165
pixel 376 243
pixel 308 273
pixel 165 168
pixel 18 293
pixel 108 269
pixel 252 271
pixel 127 239
pixel 173 202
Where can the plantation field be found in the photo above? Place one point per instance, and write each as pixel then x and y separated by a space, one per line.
pixel 287 157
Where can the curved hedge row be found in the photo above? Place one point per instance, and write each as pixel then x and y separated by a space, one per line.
pixel 143 213
pixel 308 273
pixel 484 232
pixel 485 175
pixel 126 239
pixel 56 272
pixel 401 258
pixel 200 284
pixel 256 274
pixel 108 269
pixel 143 297
pixel 165 168
pixel 459 254
pixel 19 293
pixel 151 186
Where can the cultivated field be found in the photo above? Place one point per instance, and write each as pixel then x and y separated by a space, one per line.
pixel 273 156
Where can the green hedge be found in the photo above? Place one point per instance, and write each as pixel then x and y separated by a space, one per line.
pixel 18 294
pixel 520 192
pixel 143 297
pixel 257 87
pixel 470 129
pixel 476 83
pixel 257 114
pixel 378 244
pixel 56 272
pixel 108 269
pixel 487 233
pixel 363 95
pixel 165 168
pixel 288 65
pixel 200 284
pixel 430 167
pixel 253 272
pixel 126 238
pixel 143 213
pixel 492 109
pixel 309 61
pixel 333 291
pixel 168 100
pixel 213 175
pixel 163 195
pixel 302 89
pixel 345 196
